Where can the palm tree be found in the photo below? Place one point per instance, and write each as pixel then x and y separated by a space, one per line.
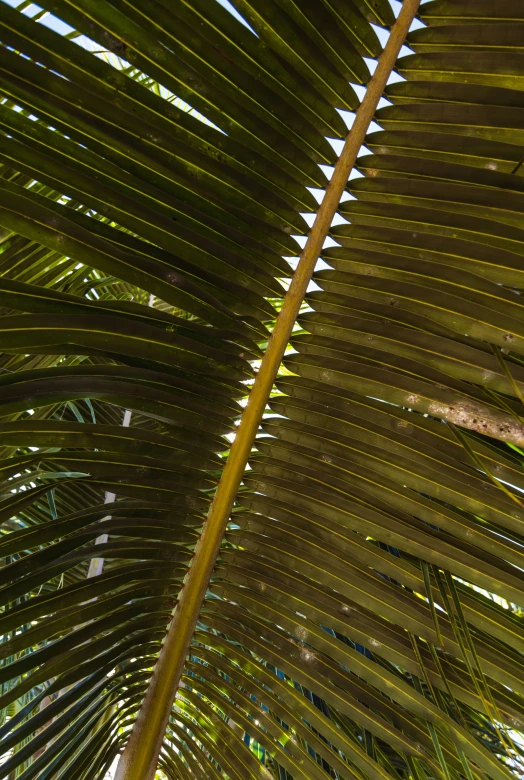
pixel 343 598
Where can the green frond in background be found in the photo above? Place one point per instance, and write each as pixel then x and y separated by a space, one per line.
pixel 365 615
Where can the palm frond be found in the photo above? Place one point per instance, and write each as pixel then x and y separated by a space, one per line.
pixel 363 614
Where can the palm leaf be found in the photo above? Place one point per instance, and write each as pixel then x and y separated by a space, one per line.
pixel 348 602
